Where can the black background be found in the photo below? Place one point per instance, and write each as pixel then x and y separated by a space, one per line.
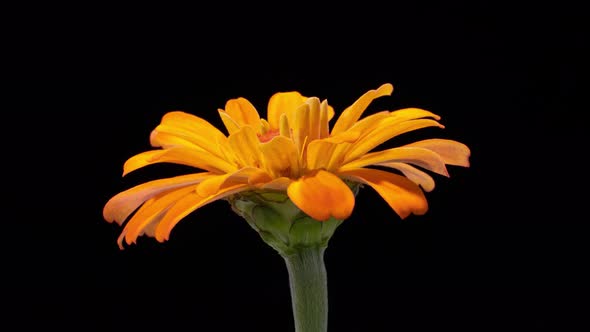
pixel 503 246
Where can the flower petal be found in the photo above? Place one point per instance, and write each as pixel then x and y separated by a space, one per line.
pixel 152 209
pixel 179 155
pixel 280 157
pixel 386 130
pixel 247 175
pixel 167 140
pixel 452 152
pixel 415 175
pixel 245 146
pixel 418 156
pixel 119 207
pixel 283 102
pixel 230 124
pixel 352 113
pixel 243 113
pixel 322 195
pixel 402 195
pixel 188 204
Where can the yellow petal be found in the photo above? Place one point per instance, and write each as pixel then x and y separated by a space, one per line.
pixel 230 124
pixel 314 118
pixel 402 195
pixel 452 152
pixel 412 155
pixel 283 102
pixel 150 210
pixel 322 195
pixel 119 207
pixel 246 147
pixel 280 157
pixel 188 204
pixel 179 155
pixel 243 113
pixel 415 175
pixel 329 152
pixel 352 113
pixel 165 140
pixel 248 175
pixel 386 130
pixel 324 119
pixel 318 153
pixel 190 122
pixel 205 139
pixel 301 127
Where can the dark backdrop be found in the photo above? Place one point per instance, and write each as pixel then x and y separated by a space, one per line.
pixel 504 244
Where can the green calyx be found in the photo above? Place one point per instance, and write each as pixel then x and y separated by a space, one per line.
pixel 280 223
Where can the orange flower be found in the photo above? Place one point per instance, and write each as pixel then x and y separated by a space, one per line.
pixel 292 151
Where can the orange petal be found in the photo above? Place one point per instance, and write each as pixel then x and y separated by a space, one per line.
pixel 412 155
pixel 322 195
pixel 452 152
pixel 280 157
pixel 283 102
pixel 243 113
pixel 119 207
pixel 179 155
pixel 248 175
pixel 402 195
pixel 230 124
pixel 352 113
pixel 245 146
pixel 194 129
pixel 150 210
pixel 415 175
pixel 166 140
pixel 188 204
pixel 386 130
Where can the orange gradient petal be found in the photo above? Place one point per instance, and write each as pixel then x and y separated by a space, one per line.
pixel 402 195
pixel 120 206
pixel 322 195
pixel 188 204
pixel 452 152
pixel 352 113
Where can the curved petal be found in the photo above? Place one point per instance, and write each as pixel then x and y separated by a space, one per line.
pixel 204 140
pixel 230 124
pixel 280 157
pixel 322 195
pixel 413 155
pixel 191 123
pixel 415 175
pixel 120 206
pixel 247 175
pixel 152 209
pixel 352 113
pixel 452 152
pixel 283 102
pixel 246 147
pixel 188 204
pixel 243 113
pixel 386 130
pixel 179 155
pixel 402 195
pixel 167 140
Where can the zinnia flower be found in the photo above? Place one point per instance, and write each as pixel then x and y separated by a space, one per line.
pixel 292 151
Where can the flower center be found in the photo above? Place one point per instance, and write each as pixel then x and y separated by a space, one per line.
pixel 267 136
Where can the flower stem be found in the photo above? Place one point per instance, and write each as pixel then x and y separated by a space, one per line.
pixel 309 289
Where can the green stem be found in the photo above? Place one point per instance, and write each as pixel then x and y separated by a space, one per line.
pixel 309 289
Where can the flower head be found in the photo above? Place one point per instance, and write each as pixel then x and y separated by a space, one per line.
pixel 292 151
